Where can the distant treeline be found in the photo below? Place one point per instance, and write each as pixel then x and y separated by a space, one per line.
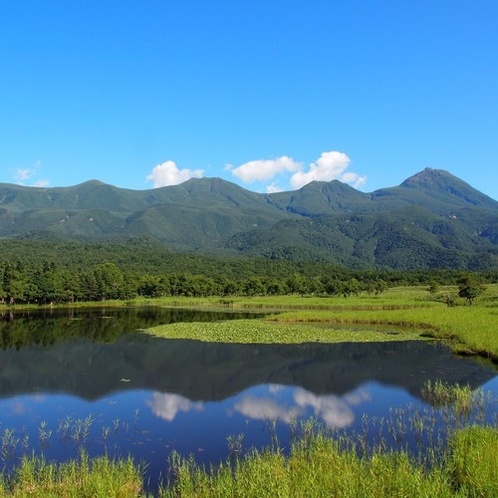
pixel 24 282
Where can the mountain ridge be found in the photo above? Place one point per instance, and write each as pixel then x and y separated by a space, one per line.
pixel 431 220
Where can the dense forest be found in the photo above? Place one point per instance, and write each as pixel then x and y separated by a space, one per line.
pixel 36 272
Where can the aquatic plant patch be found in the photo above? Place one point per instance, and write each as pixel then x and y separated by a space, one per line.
pixel 263 332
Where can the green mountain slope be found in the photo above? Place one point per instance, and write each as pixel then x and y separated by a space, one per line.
pixel 431 220
pixel 407 238
pixel 319 198
pixel 437 190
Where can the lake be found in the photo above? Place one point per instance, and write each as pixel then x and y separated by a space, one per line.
pixel 90 378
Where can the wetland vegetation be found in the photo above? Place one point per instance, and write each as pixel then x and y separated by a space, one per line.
pixel 399 313
pixel 460 462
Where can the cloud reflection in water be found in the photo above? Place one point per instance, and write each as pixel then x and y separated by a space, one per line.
pixel 334 410
pixel 167 406
pixel 271 402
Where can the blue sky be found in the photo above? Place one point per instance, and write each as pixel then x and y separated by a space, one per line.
pixel 266 94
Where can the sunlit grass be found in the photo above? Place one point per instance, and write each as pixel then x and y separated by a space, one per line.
pixel 472 329
pixel 396 296
pixel 319 465
pixel 99 477
pixel 473 463
pixel 412 311
pixel 439 393
pixel 322 466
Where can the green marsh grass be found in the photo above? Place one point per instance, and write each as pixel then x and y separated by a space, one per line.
pixel 412 310
pixel 469 329
pixel 82 478
pixel 453 455
pixel 473 463
pixel 439 393
pixel 321 465
pixel 317 465
pixel 256 331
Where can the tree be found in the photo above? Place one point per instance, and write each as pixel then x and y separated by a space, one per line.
pixel 14 283
pixel 433 287
pixel 253 286
pixel 109 280
pixel 296 284
pixel 226 286
pixel 151 286
pixel 469 288
pixel 47 284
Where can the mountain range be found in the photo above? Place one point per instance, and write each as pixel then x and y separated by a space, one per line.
pixel 431 220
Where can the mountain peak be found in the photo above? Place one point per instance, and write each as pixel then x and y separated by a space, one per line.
pixel 441 184
pixel 92 183
pixel 429 178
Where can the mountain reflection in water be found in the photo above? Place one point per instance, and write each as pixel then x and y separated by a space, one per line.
pixel 214 371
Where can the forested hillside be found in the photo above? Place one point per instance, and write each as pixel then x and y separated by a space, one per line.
pixel 432 220
pixel 40 272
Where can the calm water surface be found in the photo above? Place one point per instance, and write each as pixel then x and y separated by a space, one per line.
pixel 90 378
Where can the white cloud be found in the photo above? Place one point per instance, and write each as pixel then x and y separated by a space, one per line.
pixel 272 188
pixel 329 166
pixel 167 406
pixel 42 183
pixel 168 174
pixel 358 397
pixel 18 408
pixel 275 388
pixel 353 179
pixel 265 169
pixel 23 174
